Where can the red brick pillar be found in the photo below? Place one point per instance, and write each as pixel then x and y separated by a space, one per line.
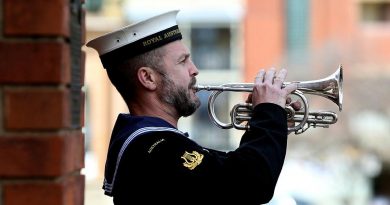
pixel 41 102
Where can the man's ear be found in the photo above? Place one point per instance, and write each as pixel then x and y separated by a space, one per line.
pixel 147 78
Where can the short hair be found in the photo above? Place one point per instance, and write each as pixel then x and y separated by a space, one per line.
pixel 124 76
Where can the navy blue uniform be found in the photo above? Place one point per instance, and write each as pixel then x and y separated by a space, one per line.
pixel 151 162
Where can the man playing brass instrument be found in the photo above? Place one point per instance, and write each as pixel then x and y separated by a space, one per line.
pixel 149 160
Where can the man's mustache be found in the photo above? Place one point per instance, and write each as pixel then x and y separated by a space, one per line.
pixel 192 83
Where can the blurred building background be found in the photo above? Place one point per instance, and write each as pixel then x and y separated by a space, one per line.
pixel 345 164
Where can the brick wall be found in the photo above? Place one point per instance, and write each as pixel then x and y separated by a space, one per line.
pixel 41 102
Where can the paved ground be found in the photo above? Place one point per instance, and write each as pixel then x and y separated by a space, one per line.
pixel 94 194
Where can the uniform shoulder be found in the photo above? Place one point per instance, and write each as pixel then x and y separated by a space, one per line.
pixel 153 141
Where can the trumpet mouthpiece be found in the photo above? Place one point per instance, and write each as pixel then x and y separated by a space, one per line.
pixel 200 87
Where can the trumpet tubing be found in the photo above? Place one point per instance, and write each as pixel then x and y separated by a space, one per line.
pixel 329 88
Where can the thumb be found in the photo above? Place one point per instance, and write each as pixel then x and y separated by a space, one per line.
pixel 249 98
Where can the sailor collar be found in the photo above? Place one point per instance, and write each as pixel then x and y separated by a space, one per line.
pixel 126 129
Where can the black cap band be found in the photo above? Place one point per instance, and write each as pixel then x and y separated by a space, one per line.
pixel 140 46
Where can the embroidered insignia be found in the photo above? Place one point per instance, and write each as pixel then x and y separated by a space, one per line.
pixel 154 145
pixel 191 160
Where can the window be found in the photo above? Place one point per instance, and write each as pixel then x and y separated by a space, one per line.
pixel 93 5
pixel 375 11
pixel 297 28
pixel 210 48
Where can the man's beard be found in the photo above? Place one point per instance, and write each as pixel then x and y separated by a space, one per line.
pixel 178 97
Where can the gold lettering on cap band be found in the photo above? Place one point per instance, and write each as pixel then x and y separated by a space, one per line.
pixel 171 33
pixel 152 40
pixel 158 38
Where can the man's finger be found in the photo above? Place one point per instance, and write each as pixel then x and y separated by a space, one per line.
pixel 260 77
pixel 280 77
pixel 296 105
pixel 269 76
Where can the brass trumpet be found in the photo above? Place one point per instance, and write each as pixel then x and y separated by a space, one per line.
pixel 329 87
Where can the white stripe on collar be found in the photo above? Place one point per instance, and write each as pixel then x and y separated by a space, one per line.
pixel 109 186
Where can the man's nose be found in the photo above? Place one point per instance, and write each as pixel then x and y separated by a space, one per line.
pixel 194 70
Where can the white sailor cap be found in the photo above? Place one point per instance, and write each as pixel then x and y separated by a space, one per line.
pixel 135 39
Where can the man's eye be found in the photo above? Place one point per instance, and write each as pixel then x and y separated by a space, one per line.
pixel 184 60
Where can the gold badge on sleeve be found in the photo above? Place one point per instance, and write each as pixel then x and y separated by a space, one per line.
pixel 191 160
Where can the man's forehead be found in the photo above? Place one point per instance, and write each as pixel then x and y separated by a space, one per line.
pixel 177 48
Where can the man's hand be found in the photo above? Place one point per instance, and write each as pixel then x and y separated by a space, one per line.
pixel 268 88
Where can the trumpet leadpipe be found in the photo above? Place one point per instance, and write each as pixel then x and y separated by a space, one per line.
pixel 237 87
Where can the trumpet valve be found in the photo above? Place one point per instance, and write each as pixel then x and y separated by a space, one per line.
pixel 290 112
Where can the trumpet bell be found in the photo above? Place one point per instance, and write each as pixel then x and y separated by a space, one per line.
pixel 330 87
